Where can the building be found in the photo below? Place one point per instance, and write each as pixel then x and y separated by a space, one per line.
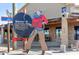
pixel 63 30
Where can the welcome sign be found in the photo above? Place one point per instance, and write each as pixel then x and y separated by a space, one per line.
pixel 22 24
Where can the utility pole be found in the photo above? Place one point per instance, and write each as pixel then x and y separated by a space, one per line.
pixel 13 12
pixel 13 32
pixel 13 8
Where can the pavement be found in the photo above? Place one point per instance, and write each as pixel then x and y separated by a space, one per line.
pixel 18 52
pixel 36 51
pixel 33 51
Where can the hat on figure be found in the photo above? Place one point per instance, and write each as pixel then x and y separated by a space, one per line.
pixel 37 14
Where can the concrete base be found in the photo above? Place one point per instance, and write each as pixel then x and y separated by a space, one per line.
pixel 63 48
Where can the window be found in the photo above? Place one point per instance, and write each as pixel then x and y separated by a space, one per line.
pixel 58 32
pixel 76 32
pixel 47 37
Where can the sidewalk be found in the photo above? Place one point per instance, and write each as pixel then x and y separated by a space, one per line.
pixel 35 50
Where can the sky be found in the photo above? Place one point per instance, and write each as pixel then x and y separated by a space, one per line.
pixel 8 6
